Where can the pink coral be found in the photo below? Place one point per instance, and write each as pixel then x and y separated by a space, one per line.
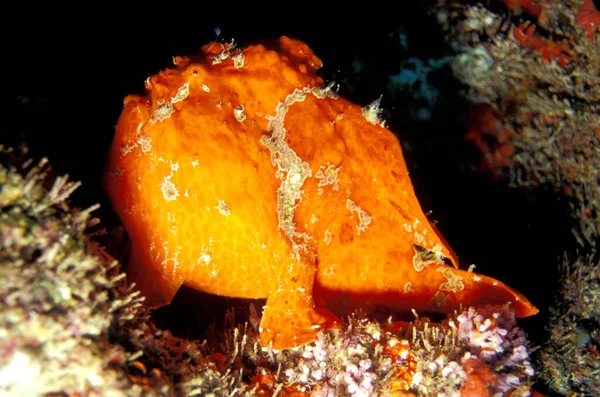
pixel 497 358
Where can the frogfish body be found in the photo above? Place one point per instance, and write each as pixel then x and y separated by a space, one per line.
pixel 240 175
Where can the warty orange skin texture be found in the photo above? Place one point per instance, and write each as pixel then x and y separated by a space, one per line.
pixel 240 175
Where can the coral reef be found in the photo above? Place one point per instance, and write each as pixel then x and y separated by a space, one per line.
pixel 70 326
pixel 570 360
pixel 58 301
pixel 475 352
pixel 537 120
pixel 532 71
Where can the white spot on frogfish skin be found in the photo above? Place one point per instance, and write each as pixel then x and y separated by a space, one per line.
pixel 453 283
pixel 328 176
pixel 223 208
pixel 162 112
pixel 168 189
pixel 126 149
pixel 373 112
pixel 419 238
pixel 238 60
pixel 364 219
pixel 204 258
pixel 238 112
pixel 205 88
pixel 145 143
pixel 327 240
pixel 181 93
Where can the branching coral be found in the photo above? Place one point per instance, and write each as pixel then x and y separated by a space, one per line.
pixel 348 362
pixel 476 352
pixel 570 359
pixel 368 358
pixel 539 96
pixel 58 300
pixel 68 323
pixel 533 71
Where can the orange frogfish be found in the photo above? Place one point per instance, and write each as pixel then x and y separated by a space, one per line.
pixel 240 174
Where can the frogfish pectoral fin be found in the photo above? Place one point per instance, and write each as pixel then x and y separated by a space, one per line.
pixel 290 317
pixel 158 289
pixel 482 290
pixel 457 288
